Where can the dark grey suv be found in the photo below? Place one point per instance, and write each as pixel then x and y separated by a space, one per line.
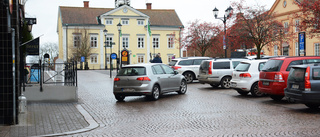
pixel 303 85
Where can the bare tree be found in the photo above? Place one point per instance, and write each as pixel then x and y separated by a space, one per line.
pixel 81 45
pixel 50 48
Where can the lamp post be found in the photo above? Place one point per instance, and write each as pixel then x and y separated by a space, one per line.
pixel 105 47
pixel 119 29
pixel 223 19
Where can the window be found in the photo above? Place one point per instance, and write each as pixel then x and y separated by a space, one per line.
pixel 108 57
pixel 275 50
pixel 140 58
pixel 155 42
pixel 243 67
pixel 156 69
pixel 76 40
pixel 297 26
pixel 125 42
pixel 125 21
pixel 93 41
pixel 285 51
pixel 198 61
pixel 221 65
pixel 272 65
pixel 261 65
pixel 140 22
pixel 170 42
pixel 109 21
pixel 316 49
pixel 286 27
pixel 185 62
pixel 297 49
pixel 170 57
pixel 132 71
pixel 109 40
pixel 167 69
pixel 295 62
pixel 140 42
pixel 93 59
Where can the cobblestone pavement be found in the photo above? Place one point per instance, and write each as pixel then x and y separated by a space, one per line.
pixel 202 111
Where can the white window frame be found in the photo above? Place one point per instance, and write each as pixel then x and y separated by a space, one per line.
pixel 170 42
pixel 297 49
pixel 170 57
pixel 125 41
pixel 286 27
pixel 93 41
pixel 275 50
pixel 125 21
pixel 109 21
pixel 297 26
pixel 140 56
pixel 140 22
pixel 140 43
pixel 156 44
pixel 316 49
pixel 76 40
pixel 94 59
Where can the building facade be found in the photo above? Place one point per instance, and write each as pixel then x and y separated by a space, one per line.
pixel 285 11
pixel 134 36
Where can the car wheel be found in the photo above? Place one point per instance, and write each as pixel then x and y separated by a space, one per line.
pixel 189 77
pixel 313 106
pixel 183 87
pixel 255 90
pixel 155 92
pixel 241 92
pixel 225 82
pixel 214 85
pixel 120 97
pixel 276 97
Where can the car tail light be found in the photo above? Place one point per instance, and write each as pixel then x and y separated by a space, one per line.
pixel 278 77
pixel 143 79
pixel 116 79
pixel 210 68
pixel 307 84
pixel 175 67
pixel 245 75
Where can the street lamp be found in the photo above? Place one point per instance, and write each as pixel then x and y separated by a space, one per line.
pixel 223 19
pixel 119 29
pixel 105 47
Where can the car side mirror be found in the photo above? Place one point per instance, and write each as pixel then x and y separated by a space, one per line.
pixel 176 72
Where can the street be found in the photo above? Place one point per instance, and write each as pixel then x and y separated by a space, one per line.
pixel 202 111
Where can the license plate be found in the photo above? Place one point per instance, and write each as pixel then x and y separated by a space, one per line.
pixel 127 90
pixel 233 84
pixel 266 83
pixel 295 86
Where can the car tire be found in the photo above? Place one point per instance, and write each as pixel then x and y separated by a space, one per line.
pixel 189 77
pixel 183 87
pixel 120 97
pixel 155 92
pixel 241 92
pixel 276 97
pixel 225 82
pixel 255 90
pixel 312 106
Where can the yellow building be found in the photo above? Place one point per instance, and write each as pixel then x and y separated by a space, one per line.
pixel 75 22
pixel 284 11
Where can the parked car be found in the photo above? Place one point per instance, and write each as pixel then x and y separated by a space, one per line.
pixel 303 85
pixel 188 66
pixel 274 74
pixel 245 77
pixel 149 79
pixel 218 71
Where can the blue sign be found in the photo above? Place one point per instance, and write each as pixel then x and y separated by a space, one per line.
pixel 113 55
pixel 82 59
pixel 302 38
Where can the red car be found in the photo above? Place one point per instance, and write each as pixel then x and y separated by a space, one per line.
pixel 274 74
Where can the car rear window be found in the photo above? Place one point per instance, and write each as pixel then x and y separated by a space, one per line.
pixel 235 63
pixel 272 65
pixel 261 65
pixel 221 65
pixel 172 62
pixel 132 71
pixel 297 74
pixel 243 67
pixel 204 65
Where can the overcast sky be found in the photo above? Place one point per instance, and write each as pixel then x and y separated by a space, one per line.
pixel 46 11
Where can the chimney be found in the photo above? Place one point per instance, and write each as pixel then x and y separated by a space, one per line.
pixel 148 6
pixel 86 4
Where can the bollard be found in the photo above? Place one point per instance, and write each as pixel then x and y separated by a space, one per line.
pixel 22 104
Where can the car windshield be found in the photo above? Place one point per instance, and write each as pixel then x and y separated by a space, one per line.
pixel 296 74
pixel 132 71
pixel 272 65
pixel 242 67
pixel 172 62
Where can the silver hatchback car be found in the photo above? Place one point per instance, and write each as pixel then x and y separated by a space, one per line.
pixel 149 79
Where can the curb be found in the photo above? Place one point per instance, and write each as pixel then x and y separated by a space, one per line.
pixel 92 124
